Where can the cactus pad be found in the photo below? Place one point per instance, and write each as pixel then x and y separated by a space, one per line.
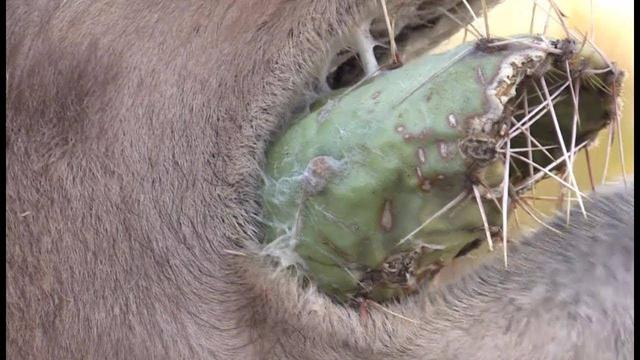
pixel 377 188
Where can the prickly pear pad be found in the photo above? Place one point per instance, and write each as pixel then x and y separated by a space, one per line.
pixel 372 193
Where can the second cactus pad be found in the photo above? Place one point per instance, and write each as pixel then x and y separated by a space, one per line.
pixel 373 192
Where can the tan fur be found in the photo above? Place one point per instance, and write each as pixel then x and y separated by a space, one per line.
pixel 135 134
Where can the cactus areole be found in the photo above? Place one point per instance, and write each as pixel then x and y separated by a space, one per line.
pixel 373 192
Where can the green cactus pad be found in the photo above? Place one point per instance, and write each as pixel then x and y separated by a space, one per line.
pixel 348 187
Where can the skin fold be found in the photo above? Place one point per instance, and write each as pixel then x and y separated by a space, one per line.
pixel 135 136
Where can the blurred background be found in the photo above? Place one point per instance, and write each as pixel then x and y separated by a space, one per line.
pixel 609 24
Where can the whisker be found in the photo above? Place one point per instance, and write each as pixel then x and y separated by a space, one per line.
pixel 600 84
pixel 466 4
pixel 390 31
pixel 576 37
pixel 485 12
pixel 589 169
pixel 617 120
pixel 583 43
pixel 539 146
pixel 529 149
pixel 544 171
pixel 444 209
pixel 392 313
pixel 518 173
pixel 516 217
pixel 591 23
pixel 484 217
pixel 535 86
pixel 544 105
pixel 528 130
pixel 434 75
pixel 353 276
pixel 561 17
pixel 548 172
pixel 595 72
pixel 557 99
pixel 553 75
pixel 490 194
pixel 596 49
pixel 563 194
pixel 517 102
pixel 505 199
pixel 234 252
pixel 533 14
pixel 542 197
pixel 608 153
pixel 562 145
pixel 546 22
pixel 529 212
pixel 574 129
pixel 475 32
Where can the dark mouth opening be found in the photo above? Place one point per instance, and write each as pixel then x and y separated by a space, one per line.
pixel 418 27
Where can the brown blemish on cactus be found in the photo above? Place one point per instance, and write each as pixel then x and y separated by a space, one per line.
pixel 481 78
pixel 429 96
pixel 423 135
pixel 425 185
pixel 422 157
pixel 445 150
pixel 375 95
pixel 341 253
pixel 386 220
pixel 452 121
pixel 400 128
pixel 317 174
